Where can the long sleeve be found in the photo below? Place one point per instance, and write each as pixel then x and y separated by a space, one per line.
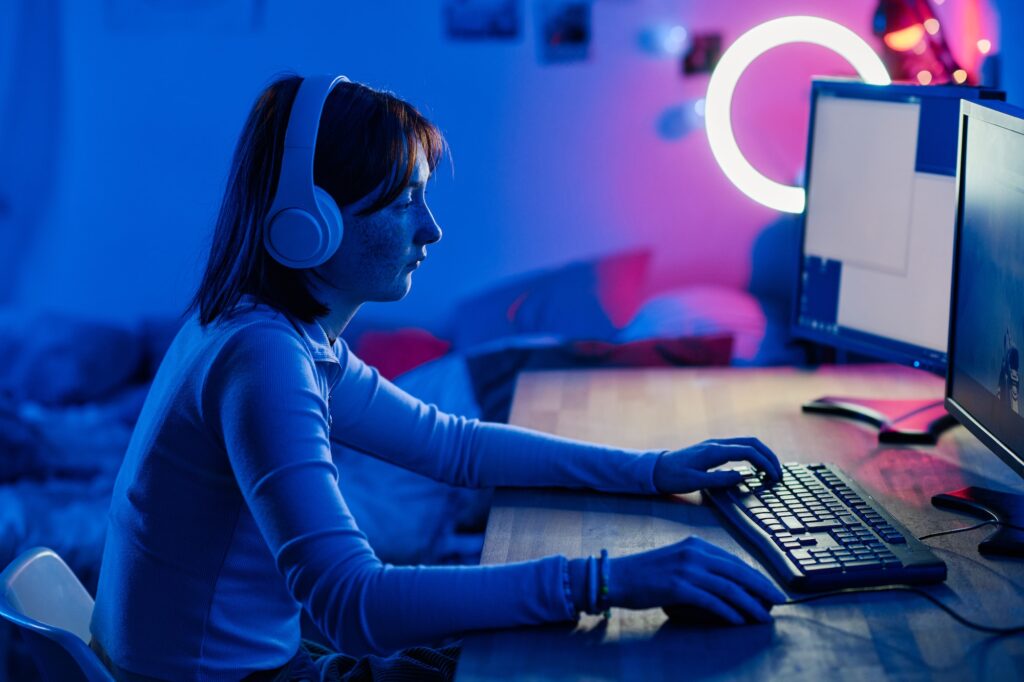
pixel 373 415
pixel 270 408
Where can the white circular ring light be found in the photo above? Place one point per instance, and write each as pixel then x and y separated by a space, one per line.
pixel 747 48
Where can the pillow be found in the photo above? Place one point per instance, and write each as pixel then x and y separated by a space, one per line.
pixel 582 300
pixel 21 445
pixel 54 358
pixel 396 352
pixel 699 310
pixel 493 372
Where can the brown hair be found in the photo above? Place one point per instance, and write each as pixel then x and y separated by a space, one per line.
pixel 367 139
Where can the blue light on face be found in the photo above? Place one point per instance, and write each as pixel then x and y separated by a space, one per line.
pixel 916 363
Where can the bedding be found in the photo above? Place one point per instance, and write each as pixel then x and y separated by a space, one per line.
pixel 57 359
pixel 57 469
pixel 409 518
pixel 582 300
pixel 759 326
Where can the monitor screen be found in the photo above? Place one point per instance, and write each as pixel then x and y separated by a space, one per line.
pixel 986 335
pixel 877 242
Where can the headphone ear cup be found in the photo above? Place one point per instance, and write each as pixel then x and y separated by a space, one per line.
pixel 334 226
pixel 294 238
pixel 298 239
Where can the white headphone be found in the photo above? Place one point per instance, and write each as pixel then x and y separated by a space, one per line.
pixel 303 227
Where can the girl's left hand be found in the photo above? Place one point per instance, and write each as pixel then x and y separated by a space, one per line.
pixel 686 470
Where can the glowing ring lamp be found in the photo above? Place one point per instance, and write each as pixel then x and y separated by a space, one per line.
pixel 747 48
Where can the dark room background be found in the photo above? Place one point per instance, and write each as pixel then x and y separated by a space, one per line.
pixel 118 119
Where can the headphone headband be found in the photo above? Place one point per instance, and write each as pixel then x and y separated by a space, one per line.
pixel 298 203
pixel 295 185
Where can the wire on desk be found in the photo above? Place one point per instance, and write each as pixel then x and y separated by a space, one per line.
pixel 959 530
pixel 990 522
pixel 913 590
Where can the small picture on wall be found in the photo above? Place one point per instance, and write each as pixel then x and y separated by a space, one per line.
pixel 563 30
pixel 704 53
pixel 481 19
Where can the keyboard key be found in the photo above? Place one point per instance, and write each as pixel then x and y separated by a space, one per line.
pixel 793 524
pixel 860 564
pixel 822 525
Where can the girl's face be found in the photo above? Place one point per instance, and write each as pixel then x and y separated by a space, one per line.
pixel 380 251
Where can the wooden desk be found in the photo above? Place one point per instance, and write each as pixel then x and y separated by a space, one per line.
pixel 881 636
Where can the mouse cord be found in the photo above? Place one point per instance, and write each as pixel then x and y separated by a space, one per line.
pixel 959 530
pixel 913 590
pixel 990 522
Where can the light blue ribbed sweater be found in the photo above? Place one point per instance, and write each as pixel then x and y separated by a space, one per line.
pixel 226 517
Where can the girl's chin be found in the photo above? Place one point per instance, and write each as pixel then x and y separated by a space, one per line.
pixel 398 291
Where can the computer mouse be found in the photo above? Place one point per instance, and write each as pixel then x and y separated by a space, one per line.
pixel 688 614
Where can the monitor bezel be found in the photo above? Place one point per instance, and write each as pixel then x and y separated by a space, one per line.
pixel 1012 118
pixel 854 340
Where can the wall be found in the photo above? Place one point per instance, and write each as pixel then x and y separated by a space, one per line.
pixel 1011 47
pixel 551 162
pixel 30 128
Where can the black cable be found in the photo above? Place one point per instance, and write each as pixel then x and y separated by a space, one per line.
pixel 958 530
pixel 990 522
pixel 913 590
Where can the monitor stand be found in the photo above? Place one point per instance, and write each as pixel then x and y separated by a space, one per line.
pixel 1008 508
pixel 899 421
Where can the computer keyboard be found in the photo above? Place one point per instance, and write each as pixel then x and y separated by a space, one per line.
pixel 820 531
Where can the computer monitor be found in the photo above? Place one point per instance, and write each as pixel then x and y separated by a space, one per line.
pixel 877 242
pixel 986 331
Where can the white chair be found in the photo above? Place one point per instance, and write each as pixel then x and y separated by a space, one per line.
pixel 51 608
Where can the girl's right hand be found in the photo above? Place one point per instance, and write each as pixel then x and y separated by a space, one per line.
pixel 693 573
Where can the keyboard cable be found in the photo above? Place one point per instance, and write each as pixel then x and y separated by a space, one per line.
pixel 921 593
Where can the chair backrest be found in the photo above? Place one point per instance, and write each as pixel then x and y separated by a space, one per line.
pixel 42 596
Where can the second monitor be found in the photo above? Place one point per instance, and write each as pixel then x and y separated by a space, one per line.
pixel 877 242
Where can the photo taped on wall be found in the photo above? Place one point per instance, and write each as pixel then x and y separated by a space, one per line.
pixel 563 31
pixel 481 19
